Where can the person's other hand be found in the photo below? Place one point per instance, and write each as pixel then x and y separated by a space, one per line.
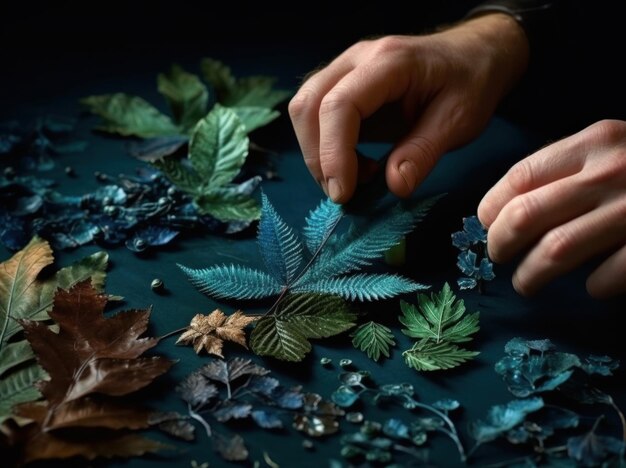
pixel 447 85
pixel 560 207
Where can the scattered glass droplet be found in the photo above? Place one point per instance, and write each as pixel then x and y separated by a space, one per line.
pixel 156 284
pixel 9 172
pixel 107 201
pixel 110 210
pixel 325 361
pixel 345 362
pixel 354 417
pixel 307 444
pixel 162 201
pixel 69 170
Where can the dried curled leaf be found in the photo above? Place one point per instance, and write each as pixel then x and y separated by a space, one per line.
pixel 91 360
pixel 210 331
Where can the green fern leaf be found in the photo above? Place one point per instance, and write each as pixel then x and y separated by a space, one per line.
pixel 298 318
pixel 427 355
pixel 439 318
pixel 373 339
pixel 233 282
pixel 363 286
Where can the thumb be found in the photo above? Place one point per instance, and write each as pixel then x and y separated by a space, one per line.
pixel 439 129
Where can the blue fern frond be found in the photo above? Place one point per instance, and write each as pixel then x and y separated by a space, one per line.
pixel 363 286
pixel 233 282
pixel 280 247
pixel 320 223
pixel 359 246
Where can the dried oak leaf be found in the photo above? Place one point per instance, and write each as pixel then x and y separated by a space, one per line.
pixel 210 331
pixel 90 361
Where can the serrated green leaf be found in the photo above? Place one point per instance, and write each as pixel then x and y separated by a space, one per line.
pixel 254 117
pixel 373 339
pixel 228 205
pixel 363 286
pixel 218 75
pixel 182 177
pixel 19 387
pixel 15 354
pixel 439 318
pixel 186 96
pixel 299 317
pixel 427 355
pixel 218 147
pixel 129 116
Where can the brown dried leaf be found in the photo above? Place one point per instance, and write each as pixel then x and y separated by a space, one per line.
pixel 210 331
pixel 92 353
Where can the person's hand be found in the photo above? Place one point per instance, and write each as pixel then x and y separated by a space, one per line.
pixel 447 86
pixel 562 206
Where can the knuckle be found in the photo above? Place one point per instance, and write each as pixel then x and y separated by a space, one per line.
pixel 388 44
pixel 427 150
pixel 521 213
pixel 608 131
pixel 335 101
pixel 520 176
pixel 556 246
pixel 301 103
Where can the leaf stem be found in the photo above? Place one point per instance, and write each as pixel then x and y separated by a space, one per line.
pixel 175 332
pixel 621 417
pixel 201 420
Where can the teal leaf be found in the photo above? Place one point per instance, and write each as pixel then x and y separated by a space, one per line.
pixel 473 233
pixel 14 354
pixel 218 147
pixel 363 286
pixel 280 248
pixel 186 96
pixel 129 116
pixel 228 204
pixel 320 223
pixel 233 282
pixel 502 418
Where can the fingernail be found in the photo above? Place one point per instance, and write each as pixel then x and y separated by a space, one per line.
pixel 334 188
pixel 408 171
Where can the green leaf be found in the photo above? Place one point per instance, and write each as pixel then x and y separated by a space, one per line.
pixel 186 95
pixel 255 117
pixel 373 339
pixel 249 91
pixel 226 204
pixel 218 147
pixel 129 116
pixel 14 354
pixel 182 177
pixel 427 355
pixel 19 387
pixel 439 318
pixel 299 317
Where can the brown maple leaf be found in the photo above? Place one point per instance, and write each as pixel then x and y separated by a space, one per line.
pixel 91 361
pixel 210 331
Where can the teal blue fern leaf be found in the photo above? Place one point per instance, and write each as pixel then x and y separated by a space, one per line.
pixel 320 224
pixel 280 247
pixel 233 282
pixel 363 286
pixel 332 257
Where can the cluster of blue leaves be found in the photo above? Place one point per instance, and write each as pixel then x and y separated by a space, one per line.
pixel 141 211
pixel 472 260
pixel 323 262
pixel 535 371
pixel 33 146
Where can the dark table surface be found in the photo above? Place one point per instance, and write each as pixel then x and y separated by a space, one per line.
pixel 563 311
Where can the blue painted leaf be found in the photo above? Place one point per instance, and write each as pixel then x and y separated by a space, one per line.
pixel 466 261
pixel 473 233
pixel 287 398
pixel 280 248
pixel 602 365
pixel 485 270
pixel 233 281
pixel 267 419
pixel 344 396
pixel 263 385
pixel 396 429
pixel 466 283
pixel 151 236
pixel 320 223
pixel 592 449
pixel 230 410
pixel 196 390
pixel 502 418
pixel 447 404
pixel 364 287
